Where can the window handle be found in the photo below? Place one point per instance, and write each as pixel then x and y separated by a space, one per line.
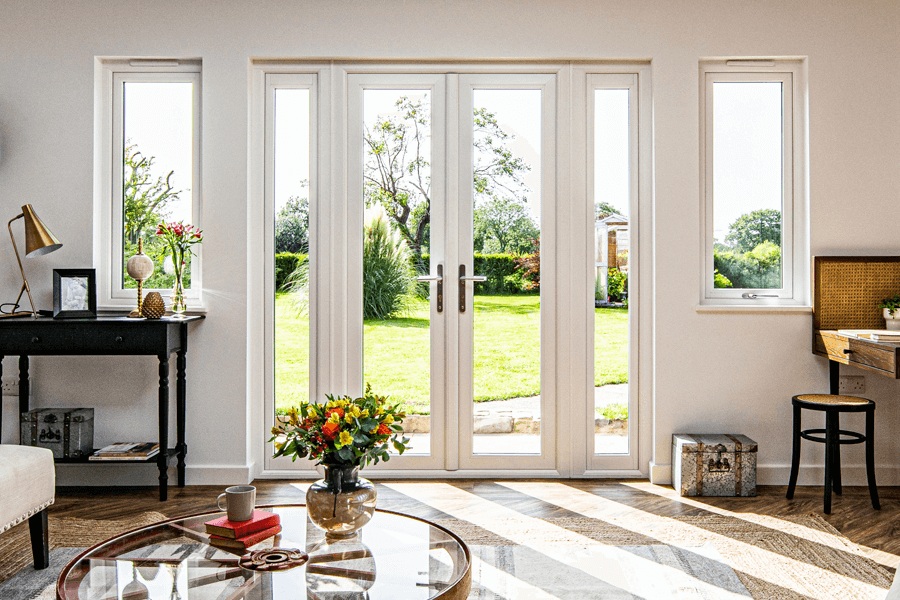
pixel 463 278
pixel 749 296
pixel 439 278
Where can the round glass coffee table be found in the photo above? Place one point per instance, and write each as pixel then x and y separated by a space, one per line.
pixel 394 557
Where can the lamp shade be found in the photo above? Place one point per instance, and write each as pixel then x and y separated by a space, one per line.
pixel 38 239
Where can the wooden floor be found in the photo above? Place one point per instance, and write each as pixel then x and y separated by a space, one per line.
pixel 852 514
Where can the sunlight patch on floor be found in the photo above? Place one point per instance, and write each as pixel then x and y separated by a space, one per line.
pixel 797 530
pixel 615 566
pixel 754 561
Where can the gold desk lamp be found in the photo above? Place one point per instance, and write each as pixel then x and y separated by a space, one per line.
pixel 38 241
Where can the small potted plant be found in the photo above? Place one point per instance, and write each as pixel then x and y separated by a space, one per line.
pixel 891 308
pixel 343 435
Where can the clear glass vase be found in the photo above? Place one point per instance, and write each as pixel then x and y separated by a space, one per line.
pixel 178 305
pixel 342 502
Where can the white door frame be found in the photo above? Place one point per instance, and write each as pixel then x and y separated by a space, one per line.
pixel 338 322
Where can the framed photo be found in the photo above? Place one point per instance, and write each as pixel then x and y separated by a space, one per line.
pixel 74 293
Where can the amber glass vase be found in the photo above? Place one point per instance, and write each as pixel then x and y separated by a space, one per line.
pixel 342 502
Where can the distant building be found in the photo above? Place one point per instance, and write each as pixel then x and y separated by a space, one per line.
pixel 611 239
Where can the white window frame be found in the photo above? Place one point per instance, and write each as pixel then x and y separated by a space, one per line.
pixel 109 77
pixel 795 224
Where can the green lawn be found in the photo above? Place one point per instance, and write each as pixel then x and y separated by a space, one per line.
pixel 396 352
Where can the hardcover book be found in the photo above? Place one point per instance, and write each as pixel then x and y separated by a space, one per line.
pixel 260 520
pixel 247 541
pixel 126 451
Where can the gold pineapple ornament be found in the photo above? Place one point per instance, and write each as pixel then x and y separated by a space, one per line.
pixel 139 268
pixel 153 306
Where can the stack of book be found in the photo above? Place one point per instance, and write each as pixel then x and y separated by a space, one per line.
pixel 126 451
pixel 877 335
pixel 241 535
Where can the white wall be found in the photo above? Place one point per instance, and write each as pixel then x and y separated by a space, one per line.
pixel 732 372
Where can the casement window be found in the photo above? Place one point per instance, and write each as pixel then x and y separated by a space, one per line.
pixel 147 170
pixel 753 145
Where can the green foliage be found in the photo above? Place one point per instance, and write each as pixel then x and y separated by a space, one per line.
pixel 388 276
pixel 613 412
pixel 530 266
pixel 758 269
pixel 161 256
pixel 616 285
pixel 721 281
pixel 502 224
pixel 145 197
pixel 496 267
pixel 605 209
pixel 750 230
pixel 292 226
pixel 892 304
pixel 286 264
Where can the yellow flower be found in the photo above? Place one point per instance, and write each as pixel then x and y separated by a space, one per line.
pixel 335 418
pixel 348 418
pixel 354 410
pixel 345 439
pixel 364 413
pixel 389 419
pixel 310 412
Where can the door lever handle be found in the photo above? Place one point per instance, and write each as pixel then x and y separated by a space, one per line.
pixel 463 278
pixel 439 278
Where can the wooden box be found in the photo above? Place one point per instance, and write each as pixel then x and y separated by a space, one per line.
pixel 68 432
pixel 708 464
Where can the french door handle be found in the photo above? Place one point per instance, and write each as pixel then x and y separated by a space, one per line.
pixel 462 285
pixel 439 278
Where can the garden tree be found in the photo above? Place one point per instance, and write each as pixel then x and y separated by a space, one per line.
pixel 502 224
pixel 752 229
pixel 759 268
pixel 605 209
pixel 144 196
pixel 292 226
pixel 397 173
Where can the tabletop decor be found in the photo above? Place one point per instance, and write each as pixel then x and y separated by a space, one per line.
pixel 139 268
pixel 891 314
pixel 180 237
pixel 343 435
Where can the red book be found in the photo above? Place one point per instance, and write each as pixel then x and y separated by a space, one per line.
pixel 242 543
pixel 261 519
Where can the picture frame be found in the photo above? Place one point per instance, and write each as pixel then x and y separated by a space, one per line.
pixel 74 294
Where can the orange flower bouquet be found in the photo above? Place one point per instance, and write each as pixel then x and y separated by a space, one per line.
pixel 344 431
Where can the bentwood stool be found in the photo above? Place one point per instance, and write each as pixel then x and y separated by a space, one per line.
pixel 833 406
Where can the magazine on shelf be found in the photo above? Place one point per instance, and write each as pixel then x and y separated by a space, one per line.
pixel 126 451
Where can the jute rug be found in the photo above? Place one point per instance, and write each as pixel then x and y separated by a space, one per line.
pixel 811 558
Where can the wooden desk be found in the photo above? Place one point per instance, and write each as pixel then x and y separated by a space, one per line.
pixel 876 357
pixel 110 336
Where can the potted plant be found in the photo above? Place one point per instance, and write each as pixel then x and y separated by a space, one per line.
pixel 891 312
pixel 343 435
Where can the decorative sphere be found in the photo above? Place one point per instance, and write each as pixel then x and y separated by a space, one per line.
pixel 139 267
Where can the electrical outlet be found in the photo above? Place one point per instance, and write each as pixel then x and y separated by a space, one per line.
pixel 10 386
pixel 852 385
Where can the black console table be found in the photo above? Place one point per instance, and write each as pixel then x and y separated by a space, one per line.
pixel 109 336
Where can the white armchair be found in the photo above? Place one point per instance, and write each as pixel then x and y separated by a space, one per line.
pixel 28 483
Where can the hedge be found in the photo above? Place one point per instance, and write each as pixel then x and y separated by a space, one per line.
pixel 504 276
pixel 285 264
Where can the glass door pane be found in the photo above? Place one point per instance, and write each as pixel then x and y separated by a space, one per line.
pixel 612 176
pixel 291 164
pixel 506 223
pixel 397 190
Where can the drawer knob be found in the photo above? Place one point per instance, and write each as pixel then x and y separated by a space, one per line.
pixel 35 340
pixel 848 351
pixel 118 339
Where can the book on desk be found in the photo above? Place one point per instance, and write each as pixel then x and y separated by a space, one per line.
pixel 876 335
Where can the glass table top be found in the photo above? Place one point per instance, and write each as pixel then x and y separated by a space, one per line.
pixel 394 557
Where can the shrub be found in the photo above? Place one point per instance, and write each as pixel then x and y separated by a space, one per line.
pixel 613 412
pixel 285 265
pixel 388 276
pixel 530 266
pixel 616 285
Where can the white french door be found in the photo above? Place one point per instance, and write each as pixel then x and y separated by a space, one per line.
pixel 495 382
pixel 461 115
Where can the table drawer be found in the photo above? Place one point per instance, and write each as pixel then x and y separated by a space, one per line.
pixel 125 340
pixel 859 353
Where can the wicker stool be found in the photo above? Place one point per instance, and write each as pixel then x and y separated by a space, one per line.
pixel 833 406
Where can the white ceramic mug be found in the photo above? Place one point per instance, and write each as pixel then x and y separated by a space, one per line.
pixel 239 502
